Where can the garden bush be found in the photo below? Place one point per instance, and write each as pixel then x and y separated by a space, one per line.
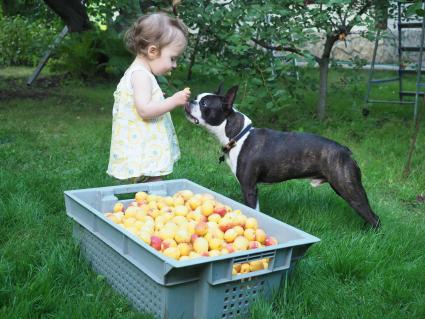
pixel 23 41
pixel 92 53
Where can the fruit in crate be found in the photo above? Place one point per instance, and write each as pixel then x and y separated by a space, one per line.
pixel 247 267
pixel 260 235
pixel 118 207
pixel 156 242
pixel 207 207
pixel 200 245
pixel 182 236
pixel 270 241
pixel 187 225
pixel 172 252
pixel 230 235
pixel 140 197
pixel 201 228
pixel 185 249
pixel 241 243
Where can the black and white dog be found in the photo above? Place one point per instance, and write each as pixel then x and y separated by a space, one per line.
pixel 261 155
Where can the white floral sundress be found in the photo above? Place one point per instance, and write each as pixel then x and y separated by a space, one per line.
pixel 140 147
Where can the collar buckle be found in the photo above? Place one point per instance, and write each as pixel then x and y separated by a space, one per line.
pixel 232 143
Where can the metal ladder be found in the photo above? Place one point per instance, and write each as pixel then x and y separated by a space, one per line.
pixel 47 55
pixel 401 70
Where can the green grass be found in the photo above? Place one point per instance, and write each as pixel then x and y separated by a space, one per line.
pixel 58 139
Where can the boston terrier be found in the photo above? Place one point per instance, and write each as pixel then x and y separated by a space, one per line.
pixel 261 155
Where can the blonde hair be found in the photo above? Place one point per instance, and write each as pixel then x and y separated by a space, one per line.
pixel 157 29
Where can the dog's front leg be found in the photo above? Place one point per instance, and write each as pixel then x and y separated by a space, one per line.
pixel 250 194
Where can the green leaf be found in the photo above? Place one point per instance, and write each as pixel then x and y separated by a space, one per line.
pixel 256 81
pixel 162 79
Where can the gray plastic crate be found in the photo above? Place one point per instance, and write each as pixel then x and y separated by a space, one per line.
pixel 202 288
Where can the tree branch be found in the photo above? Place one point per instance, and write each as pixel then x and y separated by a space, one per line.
pixel 281 48
pixel 363 10
pixel 338 11
pixel 347 12
pixel 277 48
pixel 224 3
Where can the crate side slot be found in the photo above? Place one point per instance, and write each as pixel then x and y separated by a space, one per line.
pixel 156 267
pixel 131 249
pixel 146 294
pixel 118 240
pixel 233 299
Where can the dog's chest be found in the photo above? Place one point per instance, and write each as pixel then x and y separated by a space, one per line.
pixel 232 159
pixel 233 155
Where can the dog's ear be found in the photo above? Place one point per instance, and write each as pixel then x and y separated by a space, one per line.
pixel 230 97
pixel 220 89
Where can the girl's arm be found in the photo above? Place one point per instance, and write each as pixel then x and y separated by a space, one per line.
pixel 147 109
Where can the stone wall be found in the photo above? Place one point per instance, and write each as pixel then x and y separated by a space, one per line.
pixel 357 46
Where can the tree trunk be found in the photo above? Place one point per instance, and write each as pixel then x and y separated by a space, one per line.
pixel 193 56
pixel 412 147
pixel 127 15
pixel 323 88
pixel 196 46
pixel 324 70
pixel 8 7
pixel 72 12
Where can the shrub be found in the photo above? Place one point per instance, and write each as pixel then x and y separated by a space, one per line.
pixel 22 41
pixel 92 53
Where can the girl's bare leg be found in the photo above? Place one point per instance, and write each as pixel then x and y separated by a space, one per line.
pixel 154 179
pixel 145 179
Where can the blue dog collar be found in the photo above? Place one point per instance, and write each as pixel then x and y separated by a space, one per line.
pixel 232 143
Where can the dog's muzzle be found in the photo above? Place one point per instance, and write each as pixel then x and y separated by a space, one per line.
pixel 189 115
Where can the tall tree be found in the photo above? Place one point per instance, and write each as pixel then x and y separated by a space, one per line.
pixel 72 12
pixel 278 25
pixel 288 27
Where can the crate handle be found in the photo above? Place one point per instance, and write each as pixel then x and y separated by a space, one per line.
pixel 221 271
pixel 255 256
pixel 254 263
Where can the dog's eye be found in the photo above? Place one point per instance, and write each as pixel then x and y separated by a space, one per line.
pixel 203 104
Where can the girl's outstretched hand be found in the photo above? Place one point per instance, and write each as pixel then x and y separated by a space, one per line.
pixel 182 97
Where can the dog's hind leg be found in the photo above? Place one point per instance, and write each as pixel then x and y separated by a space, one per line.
pixel 348 185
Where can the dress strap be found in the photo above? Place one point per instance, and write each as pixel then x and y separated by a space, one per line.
pixel 139 67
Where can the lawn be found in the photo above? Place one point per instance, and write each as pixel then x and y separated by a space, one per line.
pixel 55 136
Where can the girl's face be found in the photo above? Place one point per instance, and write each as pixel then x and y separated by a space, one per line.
pixel 166 60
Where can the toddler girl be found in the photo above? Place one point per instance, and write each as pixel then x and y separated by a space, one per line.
pixel 144 143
